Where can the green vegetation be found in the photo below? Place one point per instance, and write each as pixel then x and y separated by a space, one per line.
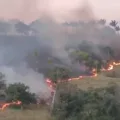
pixel 59 73
pixel 87 59
pixel 95 104
pixel 19 91
pixel 88 99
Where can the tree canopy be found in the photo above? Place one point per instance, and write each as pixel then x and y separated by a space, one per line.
pixel 19 91
pixel 59 74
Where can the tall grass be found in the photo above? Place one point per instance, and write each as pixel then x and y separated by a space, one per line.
pixel 10 114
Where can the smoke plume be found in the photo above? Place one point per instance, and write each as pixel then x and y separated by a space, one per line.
pixel 53 42
pixel 29 77
pixel 30 10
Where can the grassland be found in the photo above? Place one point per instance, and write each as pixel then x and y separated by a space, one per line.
pixel 102 80
pixel 43 114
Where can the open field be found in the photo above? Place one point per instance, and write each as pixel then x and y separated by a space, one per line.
pixel 25 115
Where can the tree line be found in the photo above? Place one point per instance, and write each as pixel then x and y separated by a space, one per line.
pixel 18 27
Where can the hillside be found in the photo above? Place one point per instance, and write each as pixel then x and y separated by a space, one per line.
pixel 42 113
pixel 100 81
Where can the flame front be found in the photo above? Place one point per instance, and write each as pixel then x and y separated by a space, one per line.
pixel 51 84
pixel 8 104
pixel 110 67
pixel 94 74
pixel 114 63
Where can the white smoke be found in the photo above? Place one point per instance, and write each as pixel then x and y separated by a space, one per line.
pixel 52 36
pixel 34 80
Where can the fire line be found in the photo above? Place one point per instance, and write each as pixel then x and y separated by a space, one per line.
pixel 94 74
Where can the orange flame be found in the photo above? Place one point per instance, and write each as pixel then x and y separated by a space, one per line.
pixel 8 104
pixel 114 63
pixel 94 74
pixel 110 67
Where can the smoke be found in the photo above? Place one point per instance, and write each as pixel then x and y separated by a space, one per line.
pixel 51 42
pixel 30 10
pixel 29 77
pixel 83 12
pixel 59 10
pixel 13 51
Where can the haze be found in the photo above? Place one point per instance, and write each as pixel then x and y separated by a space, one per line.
pixel 60 10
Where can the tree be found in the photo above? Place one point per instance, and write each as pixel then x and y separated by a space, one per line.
pixel 96 64
pixel 117 28
pixel 80 56
pixel 109 52
pixel 113 23
pixel 2 81
pixel 59 73
pixel 19 91
pixel 2 87
pixel 102 21
pixel 22 28
pixel 90 63
pixel 91 60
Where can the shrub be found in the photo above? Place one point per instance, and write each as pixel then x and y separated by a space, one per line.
pixel 95 104
pixel 19 91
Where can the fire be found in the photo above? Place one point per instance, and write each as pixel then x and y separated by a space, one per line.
pixel 50 84
pixel 94 74
pixel 8 104
pixel 114 63
pixel 110 67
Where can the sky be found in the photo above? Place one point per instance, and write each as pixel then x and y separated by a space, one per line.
pixel 59 10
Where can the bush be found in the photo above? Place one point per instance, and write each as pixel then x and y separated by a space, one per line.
pixel 59 73
pixel 95 104
pixel 19 91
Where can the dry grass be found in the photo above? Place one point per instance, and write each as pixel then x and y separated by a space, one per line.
pixel 100 81
pixel 25 115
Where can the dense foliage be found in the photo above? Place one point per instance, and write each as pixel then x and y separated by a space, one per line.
pixel 19 91
pixel 59 73
pixel 95 104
